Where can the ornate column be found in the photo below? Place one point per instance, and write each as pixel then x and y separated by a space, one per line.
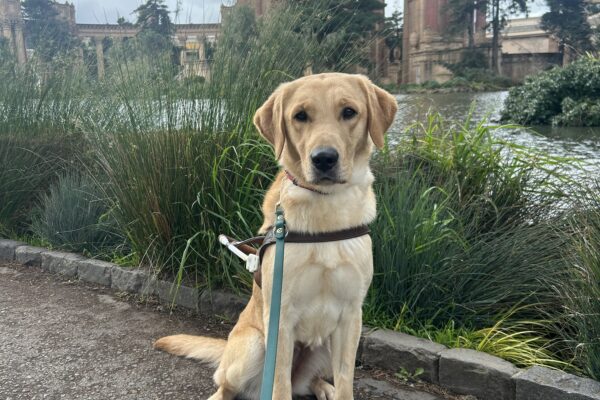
pixel 99 56
pixel 20 44
pixel 431 16
pixel 480 25
pixel 406 42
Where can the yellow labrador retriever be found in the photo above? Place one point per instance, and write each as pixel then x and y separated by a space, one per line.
pixel 322 128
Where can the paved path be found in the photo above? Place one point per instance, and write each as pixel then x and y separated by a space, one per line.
pixel 68 340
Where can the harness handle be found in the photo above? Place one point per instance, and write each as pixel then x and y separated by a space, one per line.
pixel 266 389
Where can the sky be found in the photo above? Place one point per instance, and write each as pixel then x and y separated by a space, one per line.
pixel 107 11
pixel 536 7
pixel 191 11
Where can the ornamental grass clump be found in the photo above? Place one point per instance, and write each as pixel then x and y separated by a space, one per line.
pixel 171 187
pixel 465 234
pixel 28 166
pixel 50 98
pixel 74 216
pixel 581 289
pixel 182 169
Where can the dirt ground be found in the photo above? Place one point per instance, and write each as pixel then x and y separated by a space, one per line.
pixel 64 339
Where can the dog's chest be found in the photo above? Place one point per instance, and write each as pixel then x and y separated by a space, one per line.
pixel 324 282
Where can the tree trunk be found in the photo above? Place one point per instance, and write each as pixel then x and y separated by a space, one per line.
pixel 470 30
pixel 496 36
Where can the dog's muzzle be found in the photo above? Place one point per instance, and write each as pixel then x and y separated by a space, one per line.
pixel 324 162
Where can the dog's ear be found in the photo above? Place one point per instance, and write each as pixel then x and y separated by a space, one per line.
pixel 270 122
pixel 381 108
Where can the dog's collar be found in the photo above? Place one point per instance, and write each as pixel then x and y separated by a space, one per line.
pixel 296 183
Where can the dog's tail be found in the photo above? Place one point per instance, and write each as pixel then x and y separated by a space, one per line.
pixel 206 349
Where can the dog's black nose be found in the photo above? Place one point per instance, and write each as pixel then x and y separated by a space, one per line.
pixel 324 158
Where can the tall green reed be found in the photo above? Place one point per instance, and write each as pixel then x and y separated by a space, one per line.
pixel 466 233
pixel 184 166
pixel 581 289
pixel 40 133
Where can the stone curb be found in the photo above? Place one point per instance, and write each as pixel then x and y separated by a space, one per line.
pixel 462 371
pixel 395 351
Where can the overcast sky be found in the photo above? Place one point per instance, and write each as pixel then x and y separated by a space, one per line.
pixel 190 11
pixel 537 7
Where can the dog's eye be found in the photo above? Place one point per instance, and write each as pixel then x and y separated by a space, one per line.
pixel 348 113
pixel 301 116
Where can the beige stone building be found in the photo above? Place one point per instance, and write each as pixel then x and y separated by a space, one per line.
pixel 189 38
pixel 527 49
pixel 525 36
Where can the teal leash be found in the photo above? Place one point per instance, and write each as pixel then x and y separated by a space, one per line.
pixel 266 389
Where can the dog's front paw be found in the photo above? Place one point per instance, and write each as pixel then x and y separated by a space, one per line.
pixel 323 390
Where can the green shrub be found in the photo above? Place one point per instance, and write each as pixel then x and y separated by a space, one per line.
pixel 473 72
pixel 584 112
pixel 465 235
pixel 542 99
pixel 74 216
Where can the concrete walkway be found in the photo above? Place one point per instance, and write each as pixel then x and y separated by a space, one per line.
pixel 61 339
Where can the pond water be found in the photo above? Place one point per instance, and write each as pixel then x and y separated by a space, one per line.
pixel 580 143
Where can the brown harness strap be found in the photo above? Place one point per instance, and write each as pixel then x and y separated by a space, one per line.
pixel 245 245
pixel 294 237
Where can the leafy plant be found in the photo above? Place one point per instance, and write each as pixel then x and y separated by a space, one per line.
pixel 406 376
pixel 564 96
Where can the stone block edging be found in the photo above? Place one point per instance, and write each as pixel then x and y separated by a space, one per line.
pixel 462 371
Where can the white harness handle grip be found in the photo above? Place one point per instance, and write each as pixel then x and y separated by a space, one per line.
pixel 250 259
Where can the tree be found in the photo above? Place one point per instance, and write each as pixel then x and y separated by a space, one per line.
pixel 239 28
pixel 567 20
pixel 499 10
pixel 392 32
pixel 121 21
pixel 461 17
pixel 46 32
pixel 462 14
pixel 154 16
pixel 156 29
pixel 352 21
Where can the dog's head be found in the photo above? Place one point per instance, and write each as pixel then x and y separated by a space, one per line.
pixel 323 127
